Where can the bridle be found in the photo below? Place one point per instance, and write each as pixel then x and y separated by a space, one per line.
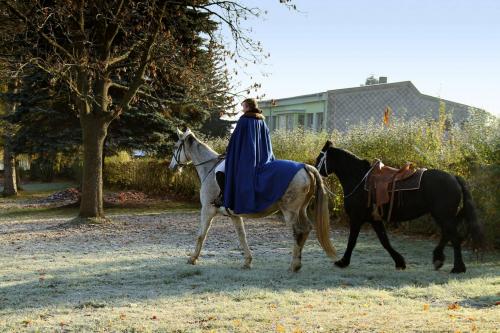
pixel 181 149
pixel 177 154
pixel 322 163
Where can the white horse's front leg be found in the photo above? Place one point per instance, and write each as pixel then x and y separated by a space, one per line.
pixel 207 215
pixel 240 228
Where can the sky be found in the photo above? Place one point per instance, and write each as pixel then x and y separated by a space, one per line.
pixel 448 49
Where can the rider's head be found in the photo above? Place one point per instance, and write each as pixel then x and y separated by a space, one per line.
pixel 250 105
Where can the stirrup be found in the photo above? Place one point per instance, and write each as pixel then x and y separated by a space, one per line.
pixel 219 201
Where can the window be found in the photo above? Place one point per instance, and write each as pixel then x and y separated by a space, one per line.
pixel 319 121
pixel 309 121
pixel 301 120
pixel 281 122
pixel 289 122
pixel 271 122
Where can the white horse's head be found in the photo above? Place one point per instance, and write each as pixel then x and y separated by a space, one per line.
pixel 179 156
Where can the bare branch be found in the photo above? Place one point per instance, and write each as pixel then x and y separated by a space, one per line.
pixel 144 94
pixel 145 59
pixel 50 40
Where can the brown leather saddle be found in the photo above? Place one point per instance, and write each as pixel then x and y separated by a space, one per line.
pixel 383 182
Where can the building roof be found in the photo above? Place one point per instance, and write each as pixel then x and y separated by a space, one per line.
pixel 372 87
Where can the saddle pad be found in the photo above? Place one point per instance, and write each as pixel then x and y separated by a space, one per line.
pixel 410 183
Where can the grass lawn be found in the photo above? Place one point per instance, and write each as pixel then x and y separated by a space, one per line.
pixel 25 205
pixel 39 190
pixel 131 275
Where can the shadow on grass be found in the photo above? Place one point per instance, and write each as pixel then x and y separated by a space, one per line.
pixel 115 210
pixel 38 212
pixel 120 282
pixel 37 190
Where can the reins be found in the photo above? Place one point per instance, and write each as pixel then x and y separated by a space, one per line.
pixel 220 158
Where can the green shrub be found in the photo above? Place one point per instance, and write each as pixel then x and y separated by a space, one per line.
pixel 472 151
pixel 151 176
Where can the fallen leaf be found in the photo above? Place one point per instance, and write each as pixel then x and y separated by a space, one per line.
pixel 154 318
pixel 453 306
pixel 122 316
pixel 237 322
pixel 280 328
pixel 426 307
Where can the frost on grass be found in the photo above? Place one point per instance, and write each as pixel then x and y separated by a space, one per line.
pixel 130 274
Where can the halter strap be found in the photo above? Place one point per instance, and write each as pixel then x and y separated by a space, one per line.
pixel 323 161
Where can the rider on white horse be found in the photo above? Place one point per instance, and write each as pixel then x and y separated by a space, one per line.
pixel 255 179
pixel 249 105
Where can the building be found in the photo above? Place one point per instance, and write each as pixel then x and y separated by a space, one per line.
pixel 340 108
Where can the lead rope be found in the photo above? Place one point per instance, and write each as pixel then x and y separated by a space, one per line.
pixel 361 182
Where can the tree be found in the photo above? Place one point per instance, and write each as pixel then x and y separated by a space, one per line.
pixel 371 80
pixel 7 106
pixel 10 186
pixel 115 55
pixel 48 128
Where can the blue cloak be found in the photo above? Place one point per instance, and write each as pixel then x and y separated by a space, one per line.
pixel 254 178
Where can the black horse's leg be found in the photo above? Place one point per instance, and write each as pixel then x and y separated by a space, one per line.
pixel 438 254
pixel 450 229
pixel 353 237
pixel 379 228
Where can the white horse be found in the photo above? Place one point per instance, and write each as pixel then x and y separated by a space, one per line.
pixel 304 185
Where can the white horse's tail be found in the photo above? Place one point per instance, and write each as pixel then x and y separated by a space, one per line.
pixel 321 214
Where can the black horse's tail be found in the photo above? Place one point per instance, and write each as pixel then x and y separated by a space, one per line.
pixel 468 212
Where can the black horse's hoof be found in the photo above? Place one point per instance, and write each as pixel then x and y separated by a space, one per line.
pixel 438 264
pixel 342 263
pixel 458 269
pixel 400 263
pixel 401 267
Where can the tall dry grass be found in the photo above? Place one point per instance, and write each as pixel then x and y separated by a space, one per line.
pixel 471 150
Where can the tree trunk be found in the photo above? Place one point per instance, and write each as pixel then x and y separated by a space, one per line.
pixel 94 131
pixel 18 176
pixel 9 167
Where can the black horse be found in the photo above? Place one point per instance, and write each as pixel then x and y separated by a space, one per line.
pixel 439 194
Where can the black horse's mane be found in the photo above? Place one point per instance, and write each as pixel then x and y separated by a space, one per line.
pixel 351 156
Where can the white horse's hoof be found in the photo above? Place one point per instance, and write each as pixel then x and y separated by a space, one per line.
pixel 248 263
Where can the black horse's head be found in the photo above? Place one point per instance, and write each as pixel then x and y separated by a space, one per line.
pixel 321 160
pixel 334 160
